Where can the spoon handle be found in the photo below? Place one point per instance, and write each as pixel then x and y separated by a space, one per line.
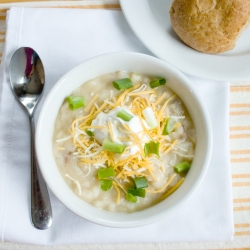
pixel 41 212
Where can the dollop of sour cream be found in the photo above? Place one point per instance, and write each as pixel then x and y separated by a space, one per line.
pixel 118 130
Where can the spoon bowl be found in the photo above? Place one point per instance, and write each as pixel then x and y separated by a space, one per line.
pixel 27 77
pixel 27 80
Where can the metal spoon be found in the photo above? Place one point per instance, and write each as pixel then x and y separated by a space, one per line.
pixel 27 81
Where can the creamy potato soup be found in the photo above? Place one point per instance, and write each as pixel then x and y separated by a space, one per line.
pixel 123 141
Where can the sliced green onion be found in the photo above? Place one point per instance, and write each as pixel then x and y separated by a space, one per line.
pixel 182 167
pixel 169 126
pixel 140 182
pixel 105 172
pixel 137 192
pixel 75 102
pixel 157 82
pixel 113 147
pixel 149 116
pixel 125 83
pixel 106 185
pixel 125 116
pixel 131 198
pixel 90 132
pixel 151 148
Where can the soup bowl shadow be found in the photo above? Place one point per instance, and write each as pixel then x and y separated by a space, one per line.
pixel 132 62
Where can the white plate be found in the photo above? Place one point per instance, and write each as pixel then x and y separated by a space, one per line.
pixel 150 21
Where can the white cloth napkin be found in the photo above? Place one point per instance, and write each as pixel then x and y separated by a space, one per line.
pixel 64 38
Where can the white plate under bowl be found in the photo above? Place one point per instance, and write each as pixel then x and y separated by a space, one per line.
pixel 150 21
pixel 131 62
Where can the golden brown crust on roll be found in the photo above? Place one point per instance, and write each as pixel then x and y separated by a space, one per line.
pixel 210 26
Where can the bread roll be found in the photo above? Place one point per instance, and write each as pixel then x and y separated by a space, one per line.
pixel 210 26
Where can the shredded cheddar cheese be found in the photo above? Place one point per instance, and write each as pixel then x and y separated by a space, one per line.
pixel 164 187
pixel 174 188
pixel 177 125
pixel 90 153
pixel 111 131
pixel 164 106
pixel 170 147
pixel 160 99
pixel 91 102
pixel 142 93
pixel 81 118
pixel 118 192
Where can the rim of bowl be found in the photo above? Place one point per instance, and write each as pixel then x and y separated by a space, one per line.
pixel 47 163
